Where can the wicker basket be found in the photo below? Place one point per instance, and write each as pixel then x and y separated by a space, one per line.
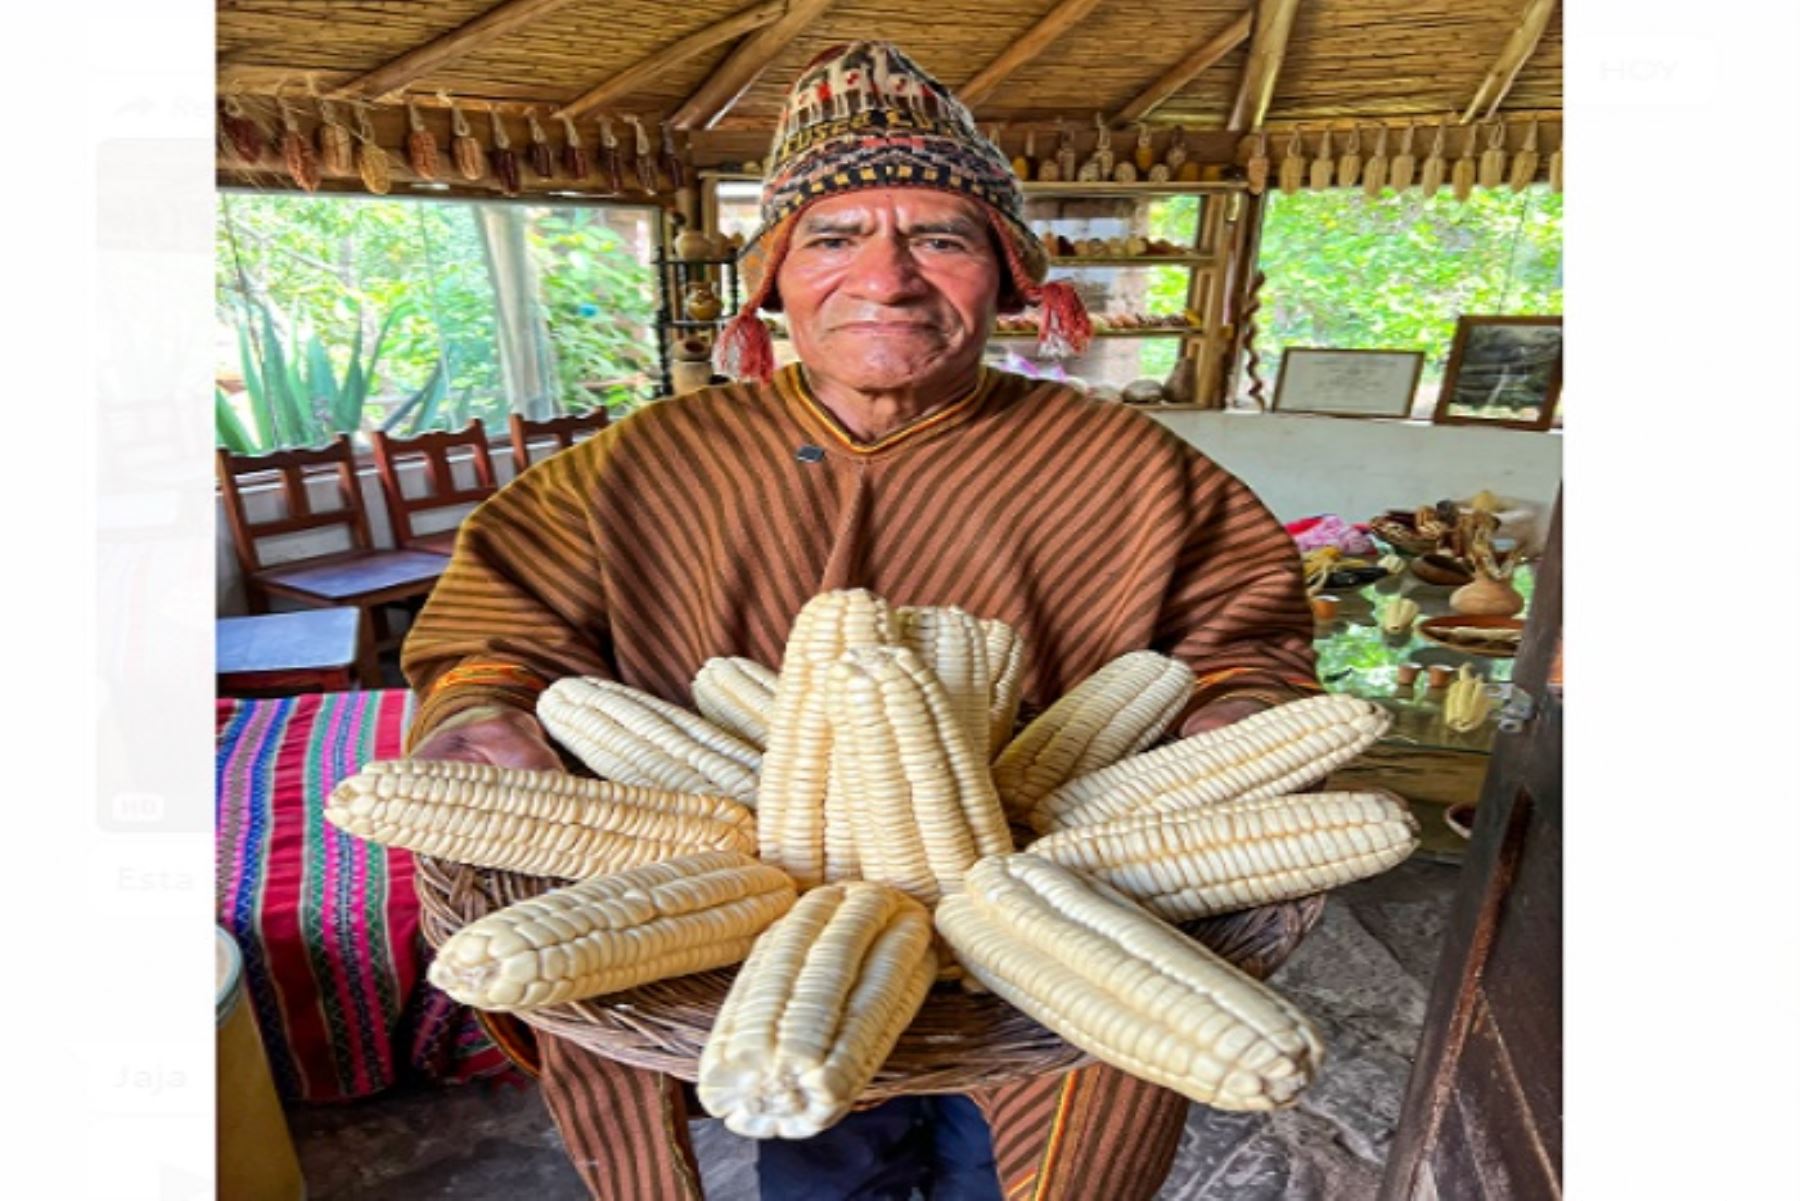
pixel 958 1041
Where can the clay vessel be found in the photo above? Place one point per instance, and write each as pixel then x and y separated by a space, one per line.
pixel 1485 596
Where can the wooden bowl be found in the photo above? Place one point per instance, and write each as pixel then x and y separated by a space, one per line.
pixel 1441 569
pixel 1437 629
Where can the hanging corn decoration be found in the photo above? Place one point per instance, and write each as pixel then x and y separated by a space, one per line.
pixel 539 155
pixel 1400 168
pixel 1066 166
pixel 1293 165
pixel 1024 164
pixel 1256 171
pixel 371 159
pixel 1349 164
pixel 575 161
pixel 1431 175
pixel 644 162
pixel 421 145
pixel 1462 173
pixel 1525 163
pixel 1176 156
pixel 1144 153
pixel 611 165
pixel 1492 172
pixel 464 147
pixel 1374 172
pixel 1555 172
pixel 242 134
pixel 1322 166
pixel 296 152
pixel 671 161
pixel 335 154
pixel 503 156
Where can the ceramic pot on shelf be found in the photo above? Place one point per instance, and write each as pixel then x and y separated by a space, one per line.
pixel 692 244
pixel 701 303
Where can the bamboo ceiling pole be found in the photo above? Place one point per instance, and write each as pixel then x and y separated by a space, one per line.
pixel 501 19
pixel 1051 26
pixel 1177 76
pixel 1519 45
pixel 714 98
pixel 1268 45
pixel 649 67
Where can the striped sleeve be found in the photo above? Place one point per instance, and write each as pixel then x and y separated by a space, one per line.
pixel 1236 610
pixel 522 603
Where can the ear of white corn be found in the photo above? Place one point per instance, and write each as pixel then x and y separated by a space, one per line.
pixel 791 794
pixel 1466 702
pixel 1006 666
pixel 1119 710
pixel 613 932
pixel 537 823
pixel 953 645
pixel 816 1009
pixel 1213 859
pixel 736 694
pixel 1126 987
pixel 1269 753
pixel 1398 616
pixel 920 796
pixel 632 737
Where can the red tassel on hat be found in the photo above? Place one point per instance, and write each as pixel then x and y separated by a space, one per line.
pixel 744 349
pixel 1063 326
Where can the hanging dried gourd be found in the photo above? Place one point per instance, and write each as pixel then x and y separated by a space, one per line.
pixel 465 147
pixel 1323 165
pixel 1431 175
pixel 1400 167
pixel 1492 172
pixel 1256 171
pixel 1143 155
pixel 541 158
pixel 1065 153
pixel 1525 163
pixel 336 157
pixel 642 162
pixel 575 162
pixel 503 156
pixel 1374 172
pixel 1349 164
pixel 671 161
pixel 296 152
pixel 1462 174
pixel 1555 172
pixel 611 165
pixel 1293 165
pixel 371 159
pixel 1175 158
pixel 421 145
pixel 243 137
pixel 1024 164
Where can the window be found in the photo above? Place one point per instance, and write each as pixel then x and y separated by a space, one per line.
pixel 344 314
pixel 1394 273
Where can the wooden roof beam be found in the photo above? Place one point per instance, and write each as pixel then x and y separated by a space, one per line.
pixel 1519 45
pixel 649 67
pixel 1037 39
pixel 501 19
pixel 1177 76
pixel 743 66
pixel 1268 46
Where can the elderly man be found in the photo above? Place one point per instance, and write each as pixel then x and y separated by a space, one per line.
pixel 887 458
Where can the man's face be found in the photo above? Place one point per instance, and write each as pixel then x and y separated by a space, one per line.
pixel 890 288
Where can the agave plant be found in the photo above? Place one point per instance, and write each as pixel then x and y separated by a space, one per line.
pixel 296 395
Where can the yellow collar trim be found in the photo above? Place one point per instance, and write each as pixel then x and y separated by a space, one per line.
pixel 795 378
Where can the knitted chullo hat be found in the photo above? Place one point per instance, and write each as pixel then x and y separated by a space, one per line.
pixel 865 116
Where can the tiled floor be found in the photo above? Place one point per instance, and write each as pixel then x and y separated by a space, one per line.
pixel 1362 975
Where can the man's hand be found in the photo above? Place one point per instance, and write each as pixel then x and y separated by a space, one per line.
pixel 1222 713
pixel 496 734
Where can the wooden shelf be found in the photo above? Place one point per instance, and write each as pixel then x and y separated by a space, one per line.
pixel 1147 260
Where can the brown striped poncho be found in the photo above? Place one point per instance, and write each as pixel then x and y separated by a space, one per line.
pixel 699 527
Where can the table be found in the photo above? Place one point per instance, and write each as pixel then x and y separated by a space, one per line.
pixel 311 650
pixel 1431 765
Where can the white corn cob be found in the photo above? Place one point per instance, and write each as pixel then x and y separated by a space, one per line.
pixel 920 798
pixel 1398 616
pixel 953 645
pixel 538 823
pixel 1126 987
pixel 1240 854
pixel 792 793
pixel 736 695
pixel 1006 665
pixel 1118 711
pixel 1267 754
pixel 1466 702
pixel 632 737
pixel 816 1009
pixel 613 932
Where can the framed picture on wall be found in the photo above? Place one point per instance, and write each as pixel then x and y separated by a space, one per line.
pixel 1347 383
pixel 1503 371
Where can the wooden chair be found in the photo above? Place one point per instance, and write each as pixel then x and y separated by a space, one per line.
pixel 361 576
pixel 441 489
pixel 561 429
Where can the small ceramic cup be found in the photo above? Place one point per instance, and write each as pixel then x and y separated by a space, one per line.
pixel 1325 608
pixel 1407 674
pixel 1439 675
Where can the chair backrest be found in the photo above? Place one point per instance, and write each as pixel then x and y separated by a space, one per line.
pixel 295 469
pixel 561 429
pixel 441 488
